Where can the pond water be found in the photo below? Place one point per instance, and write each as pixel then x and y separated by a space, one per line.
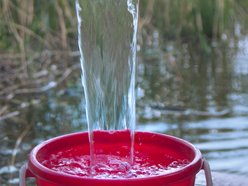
pixel 200 97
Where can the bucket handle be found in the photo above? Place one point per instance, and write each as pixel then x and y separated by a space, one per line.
pixel 207 172
pixel 24 173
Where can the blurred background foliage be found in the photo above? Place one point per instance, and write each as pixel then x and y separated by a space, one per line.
pixel 38 39
pixel 29 25
pixel 193 21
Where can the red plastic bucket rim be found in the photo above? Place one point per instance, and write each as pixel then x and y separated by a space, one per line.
pixel 42 172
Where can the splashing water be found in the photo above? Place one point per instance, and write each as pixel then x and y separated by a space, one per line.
pixel 107 32
pixel 111 167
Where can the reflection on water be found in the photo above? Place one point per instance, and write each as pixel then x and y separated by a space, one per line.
pixel 198 97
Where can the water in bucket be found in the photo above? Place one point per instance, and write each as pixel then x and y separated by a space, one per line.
pixel 76 160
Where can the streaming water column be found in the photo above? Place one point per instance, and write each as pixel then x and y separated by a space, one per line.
pixel 107 37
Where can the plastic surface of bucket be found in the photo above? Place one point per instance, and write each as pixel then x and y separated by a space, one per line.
pixel 169 145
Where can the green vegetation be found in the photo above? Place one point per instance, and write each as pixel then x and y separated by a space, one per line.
pixel 196 21
pixel 29 25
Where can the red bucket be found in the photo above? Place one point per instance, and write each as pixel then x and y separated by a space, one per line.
pixel 156 145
